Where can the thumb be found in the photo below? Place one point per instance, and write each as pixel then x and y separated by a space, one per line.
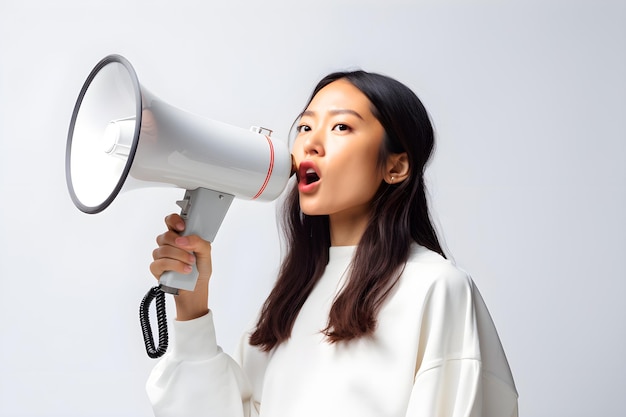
pixel 201 249
pixel 195 244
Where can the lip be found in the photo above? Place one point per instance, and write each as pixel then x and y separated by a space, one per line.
pixel 303 186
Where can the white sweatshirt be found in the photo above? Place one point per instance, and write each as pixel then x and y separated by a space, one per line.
pixel 435 353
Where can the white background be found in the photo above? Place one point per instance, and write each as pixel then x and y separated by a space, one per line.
pixel 528 183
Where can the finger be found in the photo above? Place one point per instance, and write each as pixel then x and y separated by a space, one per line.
pixel 202 251
pixel 167 238
pixel 158 267
pixel 193 243
pixel 175 223
pixel 173 253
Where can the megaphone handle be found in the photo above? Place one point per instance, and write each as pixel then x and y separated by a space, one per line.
pixel 203 211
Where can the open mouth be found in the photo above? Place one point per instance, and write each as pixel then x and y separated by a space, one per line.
pixel 311 176
pixel 307 173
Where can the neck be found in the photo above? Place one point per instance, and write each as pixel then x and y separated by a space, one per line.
pixel 346 229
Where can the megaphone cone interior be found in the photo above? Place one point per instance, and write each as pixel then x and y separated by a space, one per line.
pixel 103 134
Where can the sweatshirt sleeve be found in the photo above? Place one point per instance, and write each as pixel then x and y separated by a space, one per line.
pixel 461 368
pixel 195 378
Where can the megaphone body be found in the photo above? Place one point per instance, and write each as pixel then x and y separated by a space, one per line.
pixel 122 137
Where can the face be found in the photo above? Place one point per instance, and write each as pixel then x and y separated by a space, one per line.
pixel 336 150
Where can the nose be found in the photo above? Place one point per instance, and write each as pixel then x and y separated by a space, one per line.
pixel 314 144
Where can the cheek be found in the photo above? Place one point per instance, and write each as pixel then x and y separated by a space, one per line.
pixel 367 161
pixel 297 150
pixel 361 170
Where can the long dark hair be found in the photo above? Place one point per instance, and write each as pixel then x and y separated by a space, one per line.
pixel 399 216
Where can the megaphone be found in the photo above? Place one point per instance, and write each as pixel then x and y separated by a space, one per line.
pixel 121 137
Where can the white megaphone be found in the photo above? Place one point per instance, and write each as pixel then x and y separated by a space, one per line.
pixel 122 137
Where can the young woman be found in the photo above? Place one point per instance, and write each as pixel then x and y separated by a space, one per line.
pixel 367 317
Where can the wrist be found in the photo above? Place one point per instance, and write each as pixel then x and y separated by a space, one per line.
pixel 191 304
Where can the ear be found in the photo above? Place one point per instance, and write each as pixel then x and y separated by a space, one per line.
pixel 397 168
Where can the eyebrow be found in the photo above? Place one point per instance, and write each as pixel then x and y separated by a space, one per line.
pixel 333 112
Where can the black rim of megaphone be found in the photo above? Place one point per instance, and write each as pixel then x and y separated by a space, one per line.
pixel 113 58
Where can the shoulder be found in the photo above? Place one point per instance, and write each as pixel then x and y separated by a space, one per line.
pixel 433 270
pixel 432 281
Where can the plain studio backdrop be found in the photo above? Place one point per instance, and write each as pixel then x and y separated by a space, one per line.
pixel 528 183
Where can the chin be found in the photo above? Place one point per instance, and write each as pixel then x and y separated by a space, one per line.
pixel 311 210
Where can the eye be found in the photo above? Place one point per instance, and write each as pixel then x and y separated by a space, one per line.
pixel 341 127
pixel 303 128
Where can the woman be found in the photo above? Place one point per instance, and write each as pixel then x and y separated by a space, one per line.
pixel 367 317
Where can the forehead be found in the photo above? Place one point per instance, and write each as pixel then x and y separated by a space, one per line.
pixel 340 95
